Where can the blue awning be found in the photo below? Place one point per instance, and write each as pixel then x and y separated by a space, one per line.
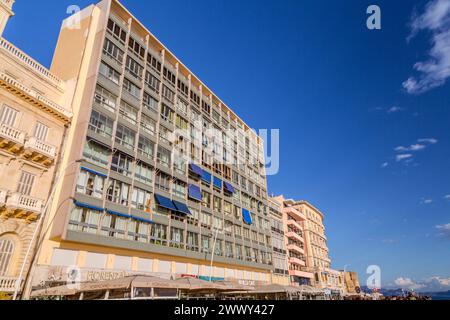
pixel 196 169
pixel 119 214
pixel 88 206
pixel 217 183
pixel 195 193
pixel 247 217
pixel 206 176
pixel 182 208
pixel 228 187
pixel 165 202
pixel 94 172
pixel 142 219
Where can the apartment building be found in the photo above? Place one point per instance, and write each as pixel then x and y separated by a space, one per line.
pixel 280 258
pixel 295 242
pixel 33 122
pixel 161 176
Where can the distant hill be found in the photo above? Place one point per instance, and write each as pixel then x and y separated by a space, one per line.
pixel 445 295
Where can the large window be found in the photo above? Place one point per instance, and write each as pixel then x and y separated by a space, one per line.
pixel 134 68
pixel 159 234
pixel 148 125
pixel 6 253
pixel 113 51
pixel 150 103
pixel 125 136
pixel 26 183
pixel 131 88
pixel 141 199
pixel 192 241
pixel 162 181
pixel 128 112
pixel 144 173
pixel 105 98
pixel 206 199
pixel 84 220
pixel 109 73
pixel 146 147
pixel 138 231
pixel 164 156
pixel 117 31
pixel 152 81
pixel 114 226
pixel 90 184
pixel 118 192
pixel 101 124
pixel 41 131
pixel 206 244
pixel 8 116
pixel 179 188
pixel 176 238
pixel 168 94
pixel 121 163
pixel 96 154
pixel 167 113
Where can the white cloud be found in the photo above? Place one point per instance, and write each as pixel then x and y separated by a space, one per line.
pixel 435 70
pixel 427 201
pixel 432 284
pixel 385 164
pixel 413 147
pixel 401 157
pixel 395 109
pixel 444 230
pixel 447 197
pixel 428 140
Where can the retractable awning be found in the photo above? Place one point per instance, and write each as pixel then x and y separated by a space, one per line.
pixel 247 217
pixel 181 207
pixel 228 187
pixel 206 177
pixel 195 193
pixel 217 183
pixel 196 169
pixel 165 202
pixel 88 206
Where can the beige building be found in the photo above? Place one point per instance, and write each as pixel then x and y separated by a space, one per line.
pixel 33 122
pixel 352 286
pixel 148 196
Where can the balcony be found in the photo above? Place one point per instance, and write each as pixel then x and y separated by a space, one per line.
pixel 7 284
pixel 294 213
pixel 11 139
pixel 295 236
pixel 20 206
pixel 294 224
pixel 297 261
pixel 301 274
pixel 293 247
pixel 39 151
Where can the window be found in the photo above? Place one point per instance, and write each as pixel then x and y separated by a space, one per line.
pixel 113 51
pixel 163 181
pixel 206 220
pixel 182 106
pixel 167 113
pixel 181 123
pixel 228 228
pixel 150 103
pixel 90 184
pixel 168 94
pixel 159 234
pixel 206 199
pixel 131 88
pixel 134 68
pixel 179 188
pixel 136 48
pixel 206 107
pixel 114 226
pixel 176 238
pixel 183 88
pixel 148 124
pixel 121 163
pixel 141 200
pixel 128 112
pixel 206 244
pixel 228 249
pixel 192 241
pixel 118 192
pixel 239 255
pixel 109 73
pixel 138 231
pixel 164 156
pixel 179 165
pixel 101 124
pixel 41 131
pixel 217 204
pixel 154 63
pixel 8 116
pixel 146 147
pixel 168 75
pixel 218 250
pixel 217 223
pixel 152 81
pixel 6 253
pixel 84 220
pixel 165 135
pixel 125 136
pixel 96 154
pixel 117 31
pixel 227 208
pixel 26 183
pixel 105 98
pixel 144 173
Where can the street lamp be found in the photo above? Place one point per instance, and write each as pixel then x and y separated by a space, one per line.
pixel 36 232
pixel 213 252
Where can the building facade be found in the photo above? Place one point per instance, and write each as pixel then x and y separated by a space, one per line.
pixel 280 257
pixel 160 176
pixel 33 122
pixel 352 285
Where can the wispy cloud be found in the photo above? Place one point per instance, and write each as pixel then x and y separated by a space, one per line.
pixel 413 147
pixel 426 201
pixel 444 230
pixel 435 70
pixel 433 284
pixel 428 140
pixel 402 157
pixel 395 109
pixel 447 197
pixel 385 164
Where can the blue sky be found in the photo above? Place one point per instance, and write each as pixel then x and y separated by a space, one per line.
pixel 335 90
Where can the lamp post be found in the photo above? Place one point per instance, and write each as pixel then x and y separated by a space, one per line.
pixel 212 255
pixel 36 233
